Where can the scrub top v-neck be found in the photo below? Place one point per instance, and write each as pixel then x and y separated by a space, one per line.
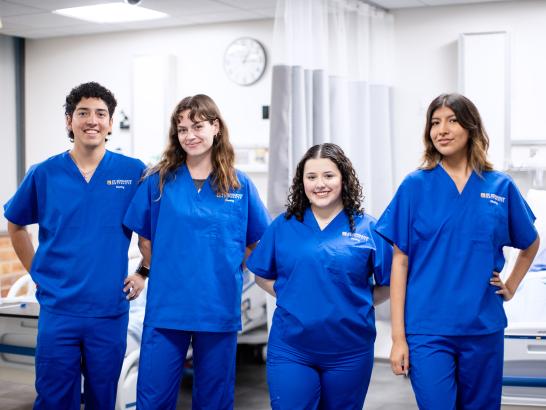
pixel 198 244
pixel 323 280
pixel 81 259
pixel 454 242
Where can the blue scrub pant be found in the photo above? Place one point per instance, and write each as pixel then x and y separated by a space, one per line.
pixel 303 381
pixel 69 346
pixel 162 357
pixel 457 372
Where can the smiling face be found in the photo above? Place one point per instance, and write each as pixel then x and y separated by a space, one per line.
pixel 448 136
pixel 196 137
pixel 322 183
pixel 90 122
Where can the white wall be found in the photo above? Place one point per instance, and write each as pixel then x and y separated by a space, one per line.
pixel 56 65
pixel 426 66
pixel 8 166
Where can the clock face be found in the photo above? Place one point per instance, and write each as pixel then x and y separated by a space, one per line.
pixel 245 61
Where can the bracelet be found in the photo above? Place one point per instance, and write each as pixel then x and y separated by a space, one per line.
pixel 143 271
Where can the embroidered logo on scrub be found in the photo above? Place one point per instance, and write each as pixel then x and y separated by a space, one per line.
pixel 355 236
pixel 494 199
pixel 230 197
pixel 119 183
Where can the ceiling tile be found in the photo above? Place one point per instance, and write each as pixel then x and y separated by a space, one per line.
pixel 10 9
pixel 58 4
pixel 42 20
pixel 266 12
pixel 187 7
pixel 397 4
pixel 34 33
pixel 235 15
pixel 250 4
pixel 456 2
pixel 33 18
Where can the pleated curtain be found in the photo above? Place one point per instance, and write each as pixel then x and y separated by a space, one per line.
pixel 331 82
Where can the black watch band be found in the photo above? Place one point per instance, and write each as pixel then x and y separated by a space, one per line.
pixel 143 271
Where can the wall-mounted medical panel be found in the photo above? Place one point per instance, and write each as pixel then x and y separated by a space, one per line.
pixel 154 98
pixel 484 77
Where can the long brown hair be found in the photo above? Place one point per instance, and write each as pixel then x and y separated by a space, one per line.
pixel 202 108
pixel 469 117
pixel 351 190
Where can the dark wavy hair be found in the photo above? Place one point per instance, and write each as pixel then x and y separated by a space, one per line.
pixel 469 117
pixel 202 108
pixel 351 190
pixel 88 90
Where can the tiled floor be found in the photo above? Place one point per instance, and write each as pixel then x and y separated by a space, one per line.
pixel 386 392
pixel 16 396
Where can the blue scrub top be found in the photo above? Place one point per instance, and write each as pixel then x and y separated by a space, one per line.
pixel 323 280
pixel 454 242
pixel 81 260
pixel 198 246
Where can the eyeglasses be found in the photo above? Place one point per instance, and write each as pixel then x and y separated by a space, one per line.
pixel 196 129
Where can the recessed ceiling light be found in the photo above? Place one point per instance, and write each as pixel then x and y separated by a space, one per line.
pixel 111 13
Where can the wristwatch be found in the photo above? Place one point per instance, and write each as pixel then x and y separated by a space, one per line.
pixel 143 270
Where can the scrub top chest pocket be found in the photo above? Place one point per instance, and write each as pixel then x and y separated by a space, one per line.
pixel 348 262
pixel 116 193
pixel 495 212
pixel 227 215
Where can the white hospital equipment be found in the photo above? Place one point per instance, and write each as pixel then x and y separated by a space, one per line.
pixel 19 325
pixel 524 379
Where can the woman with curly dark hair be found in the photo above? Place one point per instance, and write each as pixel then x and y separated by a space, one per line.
pixel 327 268
pixel 201 215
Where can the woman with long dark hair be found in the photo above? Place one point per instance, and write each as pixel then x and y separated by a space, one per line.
pixel 201 215
pixel 327 268
pixel 449 222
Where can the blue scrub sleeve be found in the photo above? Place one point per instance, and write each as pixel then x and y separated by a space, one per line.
pixel 521 220
pixel 382 260
pixel 138 217
pixel 258 217
pixel 395 223
pixel 22 208
pixel 262 259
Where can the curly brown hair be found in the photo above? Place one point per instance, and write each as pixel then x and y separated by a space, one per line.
pixel 351 191
pixel 202 108
pixel 469 117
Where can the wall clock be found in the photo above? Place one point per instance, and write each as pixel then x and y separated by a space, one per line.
pixel 245 61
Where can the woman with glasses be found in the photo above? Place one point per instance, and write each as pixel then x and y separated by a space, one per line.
pixel 200 215
pixel 449 222
pixel 327 268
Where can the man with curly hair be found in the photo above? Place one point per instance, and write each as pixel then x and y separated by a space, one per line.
pixel 78 198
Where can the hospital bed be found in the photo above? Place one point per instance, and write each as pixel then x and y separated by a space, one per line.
pixel 19 313
pixel 18 331
pixel 18 327
pixel 524 378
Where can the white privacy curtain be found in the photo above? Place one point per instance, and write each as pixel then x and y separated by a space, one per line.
pixel 332 61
